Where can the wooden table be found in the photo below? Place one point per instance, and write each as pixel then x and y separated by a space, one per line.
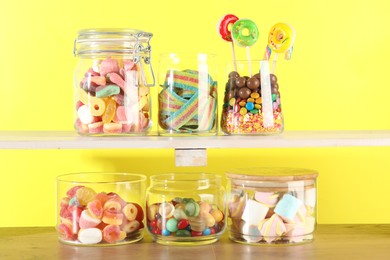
pixel 349 242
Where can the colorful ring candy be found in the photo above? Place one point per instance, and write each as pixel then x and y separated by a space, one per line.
pixel 223 26
pixel 245 32
pixel 281 37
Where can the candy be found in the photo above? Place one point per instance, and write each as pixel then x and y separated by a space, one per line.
pixel 269 199
pixel 166 210
pixel 83 212
pixel 65 231
pixel 114 83
pixel 109 65
pixel 189 218
pixel 112 128
pixel 217 215
pixel 273 228
pixel 88 221
pixel 130 211
pixel 172 225
pixel 96 105
pixel 84 114
pixel 251 233
pixel 85 195
pixel 130 227
pixel 113 234
pixel 245 32
pixel 224 26
pixel 181 108
pixel 106 91
pixel 288 206
pixel 95 208
pixel 192 209
pixel 245 114
pixel 254 212
pixel 281 37
pixel 90 236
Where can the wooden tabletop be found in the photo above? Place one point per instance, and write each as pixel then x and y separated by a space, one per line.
pixel 349 242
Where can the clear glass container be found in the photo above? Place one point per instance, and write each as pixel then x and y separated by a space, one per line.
pixel 272 206
pixel 187 94
pixel 112 82
pixel 100 209
pixel 185 208
pixel 251 99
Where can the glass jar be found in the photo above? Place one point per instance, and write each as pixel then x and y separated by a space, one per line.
pixel 252 99
pixel 187 95
pixel 112 82
pixel 271 206
pixel 185 208
pixel 100 209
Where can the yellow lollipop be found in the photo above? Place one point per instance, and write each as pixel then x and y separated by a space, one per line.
pixel 281 37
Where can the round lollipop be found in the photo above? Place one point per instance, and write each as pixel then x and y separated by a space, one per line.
pixel 281 37
pixel 245 34
pixel 223 28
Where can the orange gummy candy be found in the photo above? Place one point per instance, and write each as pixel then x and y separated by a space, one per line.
pixel 109 114
pixel 85 195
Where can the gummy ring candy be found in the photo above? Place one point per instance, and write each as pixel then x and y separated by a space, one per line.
pixel 223 26
pixel 245 32
pixel 281 37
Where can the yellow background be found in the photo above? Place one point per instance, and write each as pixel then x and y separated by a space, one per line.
pixel 338 79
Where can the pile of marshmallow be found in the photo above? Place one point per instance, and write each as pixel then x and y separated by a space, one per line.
pixel 272 217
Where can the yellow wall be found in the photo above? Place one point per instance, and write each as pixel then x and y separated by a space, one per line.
pixel 338 79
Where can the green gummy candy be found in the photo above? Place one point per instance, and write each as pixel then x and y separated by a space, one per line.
pixel 107 91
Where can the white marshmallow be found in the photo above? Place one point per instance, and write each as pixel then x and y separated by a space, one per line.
pixel 90 236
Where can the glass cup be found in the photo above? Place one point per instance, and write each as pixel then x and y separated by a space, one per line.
pixel 272 206
pixel 100 209
pixel 251 99
pixel 185 208
pixel 187 95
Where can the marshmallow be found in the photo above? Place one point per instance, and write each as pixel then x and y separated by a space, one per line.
pixel 251 233
pixel 310 197
pixel 254 212
pixel 273 228
pixel 288 207
pixel 90 236
pixel 267 198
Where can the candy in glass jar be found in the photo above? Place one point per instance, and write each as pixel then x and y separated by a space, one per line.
pixel 112 82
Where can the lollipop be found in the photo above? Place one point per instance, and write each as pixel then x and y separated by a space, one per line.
pixel 280 40
pixel 223 28
pixel 245 34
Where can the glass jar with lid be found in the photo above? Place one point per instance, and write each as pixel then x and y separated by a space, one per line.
pixel 271 206
pixel 185 208
pixel 112 82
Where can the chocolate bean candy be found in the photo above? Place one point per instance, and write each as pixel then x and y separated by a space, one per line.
pixel 273 78
pixel 240 82
pixel 244 92
pixel 234 74
pixel 253 83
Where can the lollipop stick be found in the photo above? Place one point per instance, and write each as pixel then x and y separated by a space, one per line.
pixel 274 62
pixel 234 57
pixel 248 55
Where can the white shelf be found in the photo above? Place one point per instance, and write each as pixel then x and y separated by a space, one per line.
pixel 290 139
